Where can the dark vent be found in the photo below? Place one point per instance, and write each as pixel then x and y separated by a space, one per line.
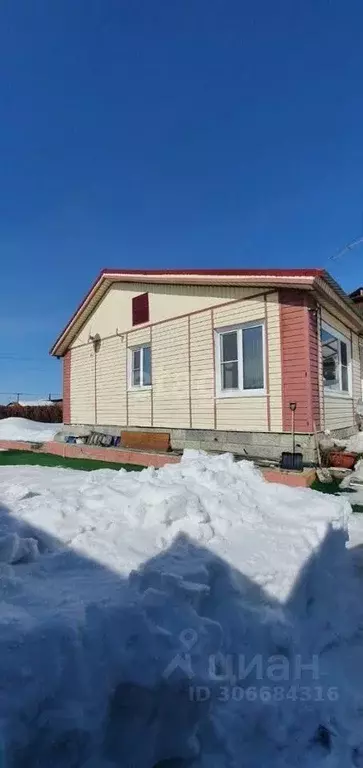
pixel 140 309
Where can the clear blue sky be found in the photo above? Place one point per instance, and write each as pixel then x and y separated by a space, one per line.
pixel 184 133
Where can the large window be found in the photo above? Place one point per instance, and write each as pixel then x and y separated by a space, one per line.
pixel 240 360
pixel 336 351
pixel 140 373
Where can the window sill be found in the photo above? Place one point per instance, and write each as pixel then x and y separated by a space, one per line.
pixel 338 394
pixel 240 393
pixel 145 388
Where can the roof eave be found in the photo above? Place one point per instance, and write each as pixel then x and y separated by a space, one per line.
pixel 299 279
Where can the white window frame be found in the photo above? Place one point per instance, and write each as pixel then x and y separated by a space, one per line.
pixel 139 348
pixel 240 392
pixel 328 391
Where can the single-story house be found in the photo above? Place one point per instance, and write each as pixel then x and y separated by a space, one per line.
pixel 215 357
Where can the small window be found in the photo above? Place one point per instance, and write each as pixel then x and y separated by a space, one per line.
pixel 141 367
pixel 240 360
pixel 336 360
pixel 140 309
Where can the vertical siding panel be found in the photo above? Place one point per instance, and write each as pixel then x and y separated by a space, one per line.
pixel 314 373
pixel 356 374
pixel 171 375
pixel 67 364
pixel 202 371
pixel 126 379
pixel 83 385
pixel 214 372
pixel 339 410
pixel 295 360
pixel 189 377
pixel 274 361
pixel 244 414
pixel 139 408
pixel 111 390
pixel 152 379
pixel 320 374
pixel 267 367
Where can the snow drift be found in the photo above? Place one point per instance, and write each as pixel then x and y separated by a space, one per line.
pixel 16 428
pixel 166 616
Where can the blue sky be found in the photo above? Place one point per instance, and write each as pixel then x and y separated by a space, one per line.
pixel 150 133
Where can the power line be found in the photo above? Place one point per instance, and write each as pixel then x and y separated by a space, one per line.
pixel 347 248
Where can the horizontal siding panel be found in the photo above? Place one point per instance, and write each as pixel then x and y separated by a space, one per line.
pixel 82 385
pixel 241 312
pixel 356 372
pixel 338 412
pixel 139 336
pixel 202 387
pixel 111 382
pixel 113 314
pixel 139 408
pixel 274 361
pixel 170 361
pixel 245 414
pixel 335 322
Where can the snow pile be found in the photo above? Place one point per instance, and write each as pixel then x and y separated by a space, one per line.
pixel 33 403
pixel 15 428
pixel 355 443
pixel 165 615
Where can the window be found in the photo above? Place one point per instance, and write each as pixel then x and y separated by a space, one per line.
pixel 336 350
pixel 140 309
pixel 240 360
pixel 141 367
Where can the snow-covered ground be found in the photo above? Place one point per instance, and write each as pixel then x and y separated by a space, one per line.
pixel 167 616
pixel 16 428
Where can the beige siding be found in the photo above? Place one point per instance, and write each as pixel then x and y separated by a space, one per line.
pixel 83 386
pixel 356 377
pixel 137 337
pixel 274 361
pixel 111 382
pixel 245 414
pixel 202 371
pixel 170 365
pixel 139 408
pixel 321 380
pixel 335 323
pixel 338 410
pixel 183 391
pixel 114 313
pixel 240 312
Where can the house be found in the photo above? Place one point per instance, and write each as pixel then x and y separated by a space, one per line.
pixel 215 358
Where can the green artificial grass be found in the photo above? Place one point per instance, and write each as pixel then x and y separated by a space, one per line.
pixel 11 458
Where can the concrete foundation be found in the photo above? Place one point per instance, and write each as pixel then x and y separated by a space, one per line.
pixel 254 445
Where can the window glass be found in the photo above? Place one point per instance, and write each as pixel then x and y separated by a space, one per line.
pixel 147 366
pixel 241 358
pixel 230 375
pixel 229 346
pixel 330 348
pixel 253 358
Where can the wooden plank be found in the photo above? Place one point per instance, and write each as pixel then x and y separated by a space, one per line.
pixel 155 441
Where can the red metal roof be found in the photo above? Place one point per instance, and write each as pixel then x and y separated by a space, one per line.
pixel 226 272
